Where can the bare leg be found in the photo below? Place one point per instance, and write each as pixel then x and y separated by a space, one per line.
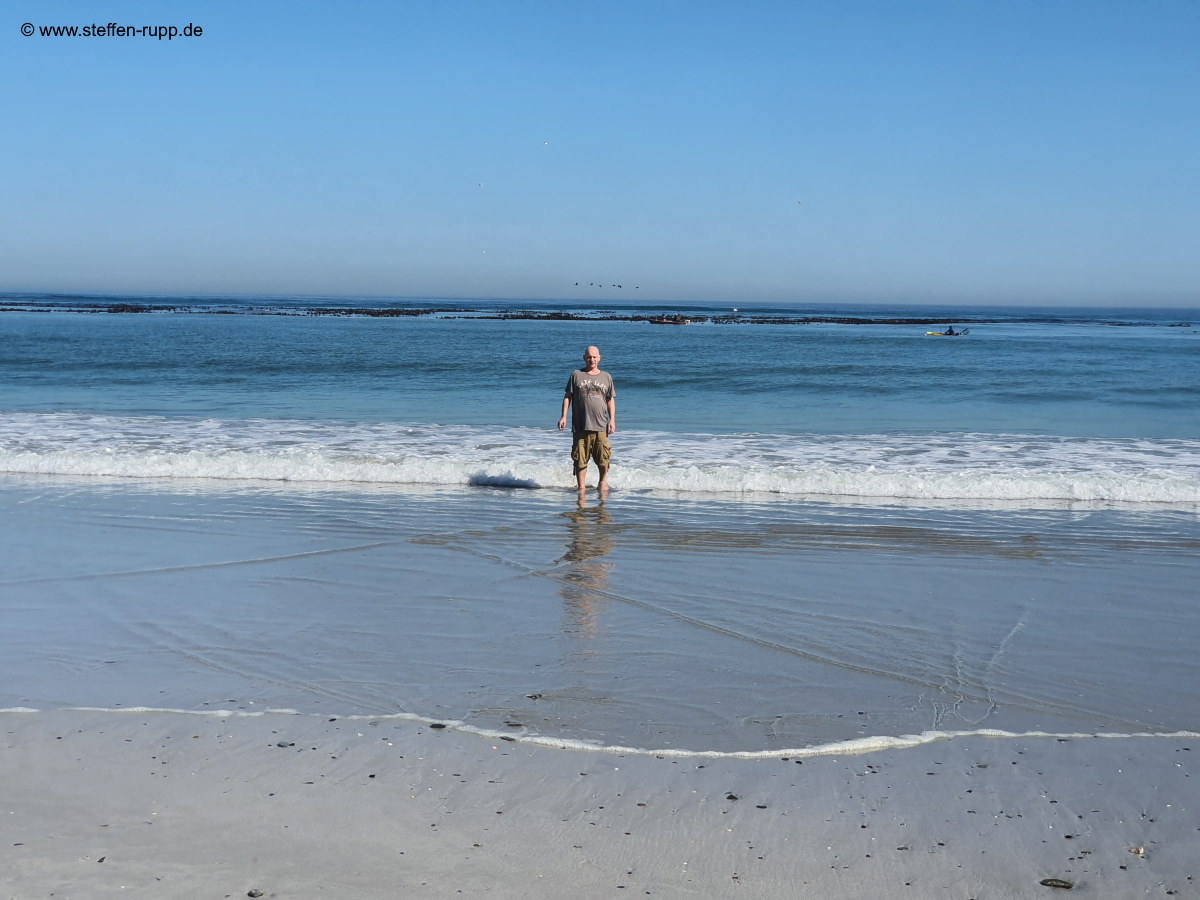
pixel 603 486
pixel 581 476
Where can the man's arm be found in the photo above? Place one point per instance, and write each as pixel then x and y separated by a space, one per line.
pixel 612 415
pixel 562 421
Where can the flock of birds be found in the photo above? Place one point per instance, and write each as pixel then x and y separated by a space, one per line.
pixel 601 285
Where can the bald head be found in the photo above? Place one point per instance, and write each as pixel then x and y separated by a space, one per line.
pixel 591 359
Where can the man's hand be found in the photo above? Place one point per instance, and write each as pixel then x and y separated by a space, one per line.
pixel 562 423
pixel 610 427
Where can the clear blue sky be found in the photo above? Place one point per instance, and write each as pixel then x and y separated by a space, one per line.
pixel 955 151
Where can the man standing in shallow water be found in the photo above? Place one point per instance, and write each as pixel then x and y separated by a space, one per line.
pixel 592 400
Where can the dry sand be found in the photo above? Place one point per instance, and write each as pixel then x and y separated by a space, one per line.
pixel 164 805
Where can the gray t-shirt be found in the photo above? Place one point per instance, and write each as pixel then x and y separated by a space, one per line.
pixel 589 400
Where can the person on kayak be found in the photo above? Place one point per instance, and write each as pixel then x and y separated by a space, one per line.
pixel 950 330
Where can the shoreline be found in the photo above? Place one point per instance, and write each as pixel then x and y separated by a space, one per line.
pixel 638 623
pixel 293 806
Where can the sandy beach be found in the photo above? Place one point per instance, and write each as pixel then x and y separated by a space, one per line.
pixel 647 622
pixel 142 803
pixel 222 692
pixel 887 590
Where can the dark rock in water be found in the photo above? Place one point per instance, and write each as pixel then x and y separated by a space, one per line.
pixel 138 308
pixel 1056 883
pixel 254 893
pixel 436 725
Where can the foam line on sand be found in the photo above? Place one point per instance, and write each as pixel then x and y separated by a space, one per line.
pixel 156 803
pixel 861 745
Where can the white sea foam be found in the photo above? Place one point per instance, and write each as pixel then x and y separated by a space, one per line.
pixel 986 467
pixel 853 746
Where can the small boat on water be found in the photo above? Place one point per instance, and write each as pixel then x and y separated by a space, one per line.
pixel 950 333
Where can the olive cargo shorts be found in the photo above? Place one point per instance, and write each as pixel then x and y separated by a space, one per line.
pixel 592 445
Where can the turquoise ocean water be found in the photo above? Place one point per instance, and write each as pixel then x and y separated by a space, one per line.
pixel 825 524
pixel 1031 405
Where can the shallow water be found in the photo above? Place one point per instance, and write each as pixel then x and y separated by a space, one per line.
pixel 644 621
pixel 817 532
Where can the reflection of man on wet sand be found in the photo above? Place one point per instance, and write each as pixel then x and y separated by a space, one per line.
pixel 592 400
pixel 590 538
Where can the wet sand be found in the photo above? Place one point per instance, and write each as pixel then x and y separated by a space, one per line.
pixel 648 622
pixel 106 804
pixel 718 638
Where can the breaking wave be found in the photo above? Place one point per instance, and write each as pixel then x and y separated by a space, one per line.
pixel 936 467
